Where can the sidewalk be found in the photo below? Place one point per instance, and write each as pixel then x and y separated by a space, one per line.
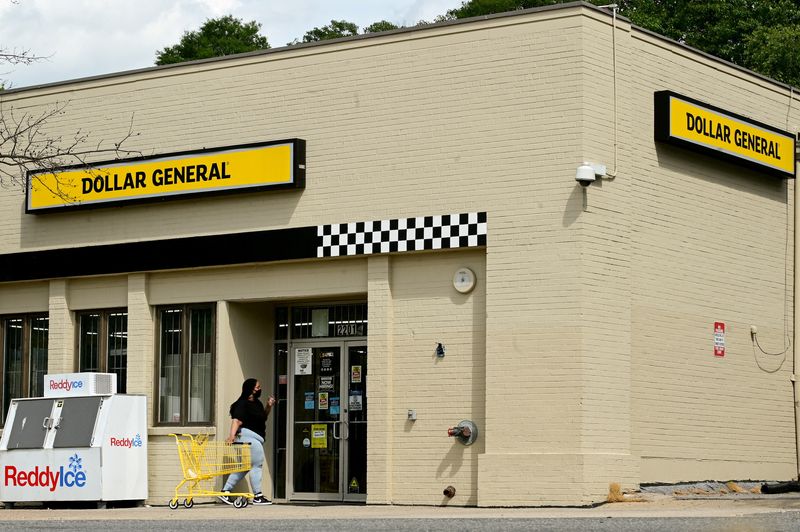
pixel 652 505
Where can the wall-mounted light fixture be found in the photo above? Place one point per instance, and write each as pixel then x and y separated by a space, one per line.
pixel 439 350
pixel 587 173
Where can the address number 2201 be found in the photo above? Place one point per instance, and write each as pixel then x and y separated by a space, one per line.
pixel 349 329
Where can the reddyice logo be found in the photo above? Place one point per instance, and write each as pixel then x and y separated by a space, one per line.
pixel 65 385
pixel 129 443
pixel 70 477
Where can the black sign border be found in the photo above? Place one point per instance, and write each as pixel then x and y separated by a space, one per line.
pixel 661 102
pixel 298 181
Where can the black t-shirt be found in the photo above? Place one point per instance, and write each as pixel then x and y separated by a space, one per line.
pixel 252 415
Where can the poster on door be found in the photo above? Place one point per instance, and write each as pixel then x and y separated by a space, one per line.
pixel 334 410
pixel 355 374
pixel 302 361
pixel 319 436
pixel 356 402
pixel 326 384
pixel 326 363
pixel 323 400
pixel 308 403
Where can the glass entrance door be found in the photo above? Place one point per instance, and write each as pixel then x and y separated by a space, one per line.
pixel 355 414
pixel 327 425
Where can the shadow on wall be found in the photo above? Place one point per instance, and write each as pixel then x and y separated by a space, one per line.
pixel 577 202
pixel 157 220
pixel 714 171
pixel 452 461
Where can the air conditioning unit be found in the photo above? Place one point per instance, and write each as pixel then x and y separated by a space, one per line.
pixel 73 384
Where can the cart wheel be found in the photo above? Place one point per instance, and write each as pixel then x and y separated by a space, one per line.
pixel 239 502
pixel 173 504
pixel 188 503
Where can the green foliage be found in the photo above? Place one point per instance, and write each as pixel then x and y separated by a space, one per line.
pixel 383 25
pixel 718 27
pixel 762 35
pixel 216 37
pixel 335 30
pixel 775 52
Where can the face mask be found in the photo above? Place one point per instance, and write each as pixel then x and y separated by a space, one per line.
pixel 256 394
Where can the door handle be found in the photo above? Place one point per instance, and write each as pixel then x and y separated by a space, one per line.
pixel 340 435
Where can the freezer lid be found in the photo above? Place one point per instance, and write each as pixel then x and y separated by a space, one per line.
pixel 78 417
pixel 27 431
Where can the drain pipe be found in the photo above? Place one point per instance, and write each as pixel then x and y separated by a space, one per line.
pixel 796 334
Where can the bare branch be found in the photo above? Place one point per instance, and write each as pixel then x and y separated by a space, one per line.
pixel 18 57
pixel 26 147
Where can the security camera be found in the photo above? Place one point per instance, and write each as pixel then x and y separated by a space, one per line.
pixel 585 175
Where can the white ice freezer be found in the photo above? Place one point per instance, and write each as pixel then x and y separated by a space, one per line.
pixel 81 443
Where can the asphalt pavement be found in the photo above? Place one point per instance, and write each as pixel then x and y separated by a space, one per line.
pixel 637 506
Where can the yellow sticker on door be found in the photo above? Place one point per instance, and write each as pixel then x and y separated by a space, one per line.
pixel 319 436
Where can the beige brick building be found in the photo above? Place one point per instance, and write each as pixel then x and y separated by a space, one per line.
pixel 584 352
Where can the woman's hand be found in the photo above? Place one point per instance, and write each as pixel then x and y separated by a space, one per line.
pixel 235 424
pixel 271 400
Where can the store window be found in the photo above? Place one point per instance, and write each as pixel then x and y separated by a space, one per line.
pixel 186 364
pixel 24 343
pixel 103 343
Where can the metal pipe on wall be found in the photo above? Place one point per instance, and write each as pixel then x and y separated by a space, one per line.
pixel 796 336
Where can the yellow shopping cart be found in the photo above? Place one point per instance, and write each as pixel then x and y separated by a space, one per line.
pixel 202 460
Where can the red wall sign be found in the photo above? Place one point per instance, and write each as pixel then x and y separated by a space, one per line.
pixel 719 339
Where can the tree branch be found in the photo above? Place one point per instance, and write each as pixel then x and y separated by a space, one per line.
pixel 26 150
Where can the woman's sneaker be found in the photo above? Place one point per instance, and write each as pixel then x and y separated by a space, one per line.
pixel 260 499
pixel 225 498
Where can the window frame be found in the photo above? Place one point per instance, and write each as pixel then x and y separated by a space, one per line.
pixel 28 319
pixel 185 357
pixel 103 347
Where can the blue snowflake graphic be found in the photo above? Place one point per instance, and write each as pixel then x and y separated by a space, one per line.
pixel 75 463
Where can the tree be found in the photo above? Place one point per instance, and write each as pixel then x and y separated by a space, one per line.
pixel 774 53
pixel 335 30
pixel 216 37
pixel 762 35
pixel 382 25
pixel 477 8
pixel 342 28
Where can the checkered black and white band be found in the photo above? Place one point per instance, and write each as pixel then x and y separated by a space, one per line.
pixel 447 231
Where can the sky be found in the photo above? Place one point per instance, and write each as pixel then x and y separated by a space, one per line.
pixel 80 38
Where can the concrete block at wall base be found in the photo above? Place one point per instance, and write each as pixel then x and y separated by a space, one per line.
pixel 552 479
pixel 675 470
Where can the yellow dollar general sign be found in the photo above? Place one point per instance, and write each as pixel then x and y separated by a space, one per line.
pixel 701 127
pixel 246 168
